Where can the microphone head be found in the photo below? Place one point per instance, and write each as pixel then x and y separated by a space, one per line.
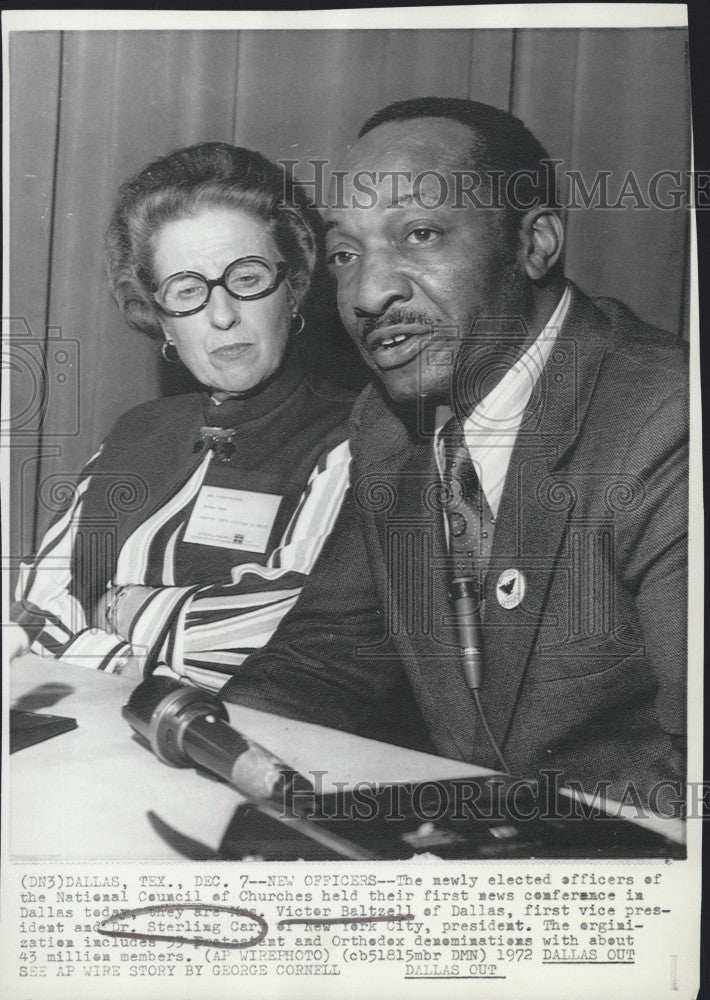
pixel 146 697
pixel 160 709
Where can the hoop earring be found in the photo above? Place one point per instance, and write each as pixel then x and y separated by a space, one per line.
pixel 164 352
pixel 299 317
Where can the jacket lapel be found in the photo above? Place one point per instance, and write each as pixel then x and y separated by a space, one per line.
pixel 535 507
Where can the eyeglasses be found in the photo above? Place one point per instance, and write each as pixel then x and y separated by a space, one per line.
pixel 247 278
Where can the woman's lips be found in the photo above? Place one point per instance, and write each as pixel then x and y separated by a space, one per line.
pixel 393 346
pixel 230 352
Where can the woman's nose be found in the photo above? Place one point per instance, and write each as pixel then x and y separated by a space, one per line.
pixel 223 310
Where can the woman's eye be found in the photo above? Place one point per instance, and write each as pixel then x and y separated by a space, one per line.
pixel 421 235
pixel 189 291
pixel 341 257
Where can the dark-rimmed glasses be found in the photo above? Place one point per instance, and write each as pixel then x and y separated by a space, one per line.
pixel 246 278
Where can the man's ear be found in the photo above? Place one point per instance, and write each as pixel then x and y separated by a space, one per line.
pixel 542 238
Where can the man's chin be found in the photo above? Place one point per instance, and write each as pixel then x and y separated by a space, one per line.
pixel 406 386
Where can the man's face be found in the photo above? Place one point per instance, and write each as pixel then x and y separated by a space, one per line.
pixel 414 271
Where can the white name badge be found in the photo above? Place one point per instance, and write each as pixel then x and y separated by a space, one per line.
pixel 232 519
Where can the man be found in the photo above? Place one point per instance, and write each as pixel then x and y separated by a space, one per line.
pixel 523 448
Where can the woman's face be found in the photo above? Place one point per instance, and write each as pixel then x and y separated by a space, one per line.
pixel 231 345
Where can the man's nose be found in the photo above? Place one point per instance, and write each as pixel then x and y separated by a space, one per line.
pixel 380 284
pixel 223 309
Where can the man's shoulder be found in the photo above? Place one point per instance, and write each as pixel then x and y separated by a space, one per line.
pixel 644 381
pixel 641 385
pixel 638 346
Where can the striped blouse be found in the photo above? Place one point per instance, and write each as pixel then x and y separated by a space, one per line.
pixel 202 607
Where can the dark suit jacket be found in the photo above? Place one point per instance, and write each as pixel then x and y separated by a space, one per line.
pixel 588 673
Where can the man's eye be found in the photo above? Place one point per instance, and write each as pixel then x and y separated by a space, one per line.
pixel 341 257
pixel 421 235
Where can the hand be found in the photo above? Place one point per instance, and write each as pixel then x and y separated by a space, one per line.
pixel 130 600
pixel 15 640
pixel 100 610
pixel 132 669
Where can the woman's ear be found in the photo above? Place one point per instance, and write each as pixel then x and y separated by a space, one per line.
pixel 293 302
pixel 542 238
pixel 163 328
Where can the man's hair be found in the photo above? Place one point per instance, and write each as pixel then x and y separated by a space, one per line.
pixel 500 143
pixel 210 175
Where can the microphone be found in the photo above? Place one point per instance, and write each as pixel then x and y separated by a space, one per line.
pixel 464 590
pixel 464 595
pixel 185 725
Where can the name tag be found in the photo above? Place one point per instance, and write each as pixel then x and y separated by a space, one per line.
pixel 232 519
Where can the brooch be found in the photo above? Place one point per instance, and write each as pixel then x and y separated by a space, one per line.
pixel 219 439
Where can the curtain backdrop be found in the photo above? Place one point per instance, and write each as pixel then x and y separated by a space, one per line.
pixel 89 108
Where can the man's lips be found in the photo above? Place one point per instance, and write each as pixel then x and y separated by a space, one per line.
pixel 396 345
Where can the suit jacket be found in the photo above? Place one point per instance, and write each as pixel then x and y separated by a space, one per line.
pixel 588 673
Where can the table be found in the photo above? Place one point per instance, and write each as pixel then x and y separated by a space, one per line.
pixel 89 793
pixel 94 793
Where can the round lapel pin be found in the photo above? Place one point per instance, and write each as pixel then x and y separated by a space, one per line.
pixel 510 588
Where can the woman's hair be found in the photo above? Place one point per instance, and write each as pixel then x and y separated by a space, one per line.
pixel 206 176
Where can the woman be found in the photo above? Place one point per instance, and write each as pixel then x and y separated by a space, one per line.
pixel 192 529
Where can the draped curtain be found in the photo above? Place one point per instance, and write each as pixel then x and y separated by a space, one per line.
pixel 89 108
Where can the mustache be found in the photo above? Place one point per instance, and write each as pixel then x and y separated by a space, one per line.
pixel 397 317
